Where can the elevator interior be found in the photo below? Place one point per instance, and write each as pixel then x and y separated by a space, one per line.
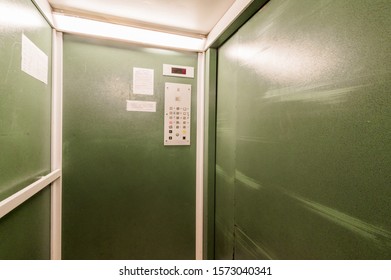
pixel 275 144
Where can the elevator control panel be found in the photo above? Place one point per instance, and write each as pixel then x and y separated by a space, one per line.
pixel 177 105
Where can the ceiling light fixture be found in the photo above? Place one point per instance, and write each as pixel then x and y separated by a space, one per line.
pixel 99 29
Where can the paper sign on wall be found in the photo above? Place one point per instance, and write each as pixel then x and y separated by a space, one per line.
pixel 34 61
pixel 143 81
pixel 140 106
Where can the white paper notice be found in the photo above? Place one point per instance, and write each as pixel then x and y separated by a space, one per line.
pixel 143 81
pixel 140 106
pixel 34 61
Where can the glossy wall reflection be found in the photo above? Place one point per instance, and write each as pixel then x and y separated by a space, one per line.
pixel 25 125
pixel 303 133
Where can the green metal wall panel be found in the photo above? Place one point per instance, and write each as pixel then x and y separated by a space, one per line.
pixel 25 104
pixel 25 232
pixel 126 196
pixel 225 158
pixel 304 133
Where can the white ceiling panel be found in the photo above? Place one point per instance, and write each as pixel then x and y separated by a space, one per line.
pixel 193 17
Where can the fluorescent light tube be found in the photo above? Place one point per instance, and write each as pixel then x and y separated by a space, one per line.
pixel 74 25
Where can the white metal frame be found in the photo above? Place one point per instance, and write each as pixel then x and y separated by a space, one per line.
pixel 230 16
pixel 56 145
pixel 13 201
pixel 200 158
pixel 45 9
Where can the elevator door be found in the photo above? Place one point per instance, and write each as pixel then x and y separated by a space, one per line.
pixel 303 133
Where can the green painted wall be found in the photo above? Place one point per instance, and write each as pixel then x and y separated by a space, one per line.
pixel 126 196
pixel 25 104
pixel 304 133
pixel 25 232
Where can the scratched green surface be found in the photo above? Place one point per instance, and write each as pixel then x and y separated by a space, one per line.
pixel 25 104
pixel 25 231
pixel 126 196
pixel 304 133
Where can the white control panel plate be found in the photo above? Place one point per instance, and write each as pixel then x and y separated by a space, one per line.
pixel 177 105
